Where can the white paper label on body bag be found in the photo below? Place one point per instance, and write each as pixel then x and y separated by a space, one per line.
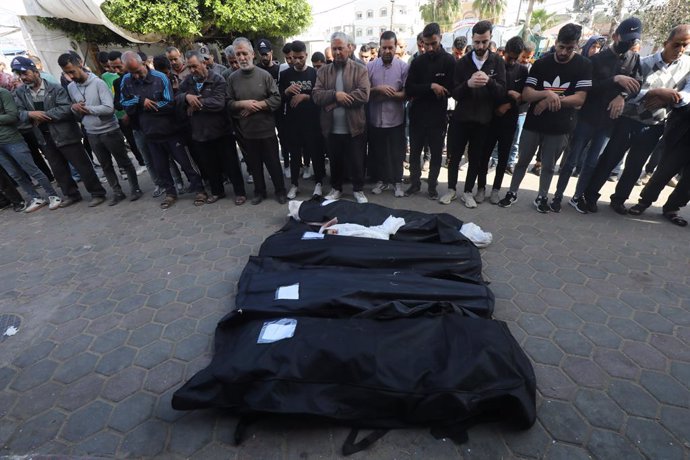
pixel 312 236
pixel 288 292
pixel 280 329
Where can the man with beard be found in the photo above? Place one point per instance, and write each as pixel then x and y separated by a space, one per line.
pixel 342 91
pixel 93 105
pixel 429 82
pixel 505 119
pixel 176 59
pixel 252 98
pixel 148 96
pixel 47 107
pixel 387 76
pixel 232 62
pixel 266 61
pixel 479 80
pixel 642 123
pixel 202 95
pixel 615 72
pixel 301 118
pixel 556 87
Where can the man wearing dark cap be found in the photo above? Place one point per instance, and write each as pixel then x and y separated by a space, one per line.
pixel 615 72
pixel 642 122
pixel 47 107
pixel 266 61
pixel 210 62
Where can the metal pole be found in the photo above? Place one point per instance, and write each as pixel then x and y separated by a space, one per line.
pixel 392 11
pixel 517 20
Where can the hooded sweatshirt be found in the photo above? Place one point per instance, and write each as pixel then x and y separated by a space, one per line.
pixel 99 101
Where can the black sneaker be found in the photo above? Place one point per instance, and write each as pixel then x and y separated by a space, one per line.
pixel 19 207
pixel 433 193
pixel 591 205
pixel 555 205
pixel 619 208
pixel 542 204
pixel 579 205
pixel 412 189
pixel 508 200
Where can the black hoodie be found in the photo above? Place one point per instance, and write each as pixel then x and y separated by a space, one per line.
pixel 477 104
pixel 426 69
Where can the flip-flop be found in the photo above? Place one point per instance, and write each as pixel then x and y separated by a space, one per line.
pixel 168 201
pixel 213 198
pixel 240 200
pixel 675 219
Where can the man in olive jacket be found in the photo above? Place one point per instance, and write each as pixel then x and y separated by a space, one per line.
pixel 48 108
pixel 342 92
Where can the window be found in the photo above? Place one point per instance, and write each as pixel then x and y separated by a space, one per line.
pixel 402 11
pixel 383 13
pixel 382 30
pixel 358 15
pixel 370 14
pixel 359 32
pixel 370 31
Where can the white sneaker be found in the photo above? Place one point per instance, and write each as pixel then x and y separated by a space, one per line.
pixel 287 172
pixel 307 173
pixel 292 193
pixel 334 194
pixel 379 188
pixel 494 197
pixel 34 204
pixel 317 190
pixel 141 170
pixel 399 192
pixel 468 199
pixel 250 179
pixel 449 196
pixel 480 196
pixel 54 202
pixel 360 197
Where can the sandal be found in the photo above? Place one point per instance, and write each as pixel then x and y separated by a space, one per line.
pixel 213 198
pixel 240 200
pixel 168 201
pixel 675 219
pixel 200 199
pixel 637 210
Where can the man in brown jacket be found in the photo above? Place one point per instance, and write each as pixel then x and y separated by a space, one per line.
pixel 342 91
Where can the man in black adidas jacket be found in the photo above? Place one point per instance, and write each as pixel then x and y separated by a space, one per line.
pixel 479 81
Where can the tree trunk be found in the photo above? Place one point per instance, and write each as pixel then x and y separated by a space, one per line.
pixel 616 18
pixel 528 19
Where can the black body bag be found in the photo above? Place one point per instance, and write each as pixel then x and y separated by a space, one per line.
pixel 452 372
pixel 461 259
pixel 273 286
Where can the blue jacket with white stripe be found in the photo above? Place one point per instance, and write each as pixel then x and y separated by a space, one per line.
pixel 156 124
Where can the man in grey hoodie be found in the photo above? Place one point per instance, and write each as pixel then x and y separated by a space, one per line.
pixel 93 104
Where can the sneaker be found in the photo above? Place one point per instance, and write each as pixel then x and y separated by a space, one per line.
pixel 157 192
pixel 555 205
pixel 637 209
pixel 35 204
pixel 613 178
pixel 250 179
pixel 123 174
pixel 432 193
pixel 399 192
pixel 412 189
pixel 19 207
pixel 54 202
pixel 360 197
pixel 116 199
pixel 578 204
pixel 286 171
pixel 494 199
pixel 307 173
pixel 468 199
pixel 542 204
pixel 673 182
pixel 508 200
pixel 379 188
pixel 281 198
pixel 449 196
pixel 619 208
pixel 591 206
pixel 318 191
pixel 509 170
pixel 480 196
pixel 136 194
pixel 334 194
pixel 292 193
pixel 425 166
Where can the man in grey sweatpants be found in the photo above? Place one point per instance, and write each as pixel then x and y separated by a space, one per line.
pixel 93 103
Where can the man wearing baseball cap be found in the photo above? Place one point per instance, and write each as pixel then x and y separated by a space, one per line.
pixel 47 107
pixel 644 116
pixel 266 61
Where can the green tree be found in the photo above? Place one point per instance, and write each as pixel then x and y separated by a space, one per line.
pixel 660 19
pixel 491 10
pixel 528 17
pixel 544 19
pixel 444 12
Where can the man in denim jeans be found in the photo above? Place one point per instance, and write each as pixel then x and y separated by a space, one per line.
pixel 14 152
pixel 93 103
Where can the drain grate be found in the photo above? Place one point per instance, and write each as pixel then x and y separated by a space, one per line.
pixel 8 322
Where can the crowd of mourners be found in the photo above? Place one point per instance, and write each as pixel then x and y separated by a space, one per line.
pixel 364 114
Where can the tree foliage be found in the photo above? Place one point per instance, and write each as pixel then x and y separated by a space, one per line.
pixel 90 33
pixel 544 19
pixel 168 17
pixel 272 18
pixel 659 20
pixel 444 12
pixel 489 9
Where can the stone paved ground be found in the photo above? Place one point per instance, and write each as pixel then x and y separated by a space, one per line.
pixel 118 306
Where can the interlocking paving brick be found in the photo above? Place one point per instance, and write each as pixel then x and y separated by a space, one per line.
pixel 6 376
pixel 563 422
pixel 34 375
pixel 652 439
pixel 145 335
pixel 561 451
pixel 109 341
pixel 644 355
pixel 681 371
pixel 102 444
pixel 665 388
pixel 572 342
pixel 123 384
pixel 553 383
pixel 179 329
pixel 607 444
pixel 36 432
pixel 585 372
pixel 76 367
pixel 132 411
pixel 86 421
pixel 34 354
pixel 671 347
pixel 191 433
pixel 116 360
pixel 531 443
pixel 73 346
pixel 164 376
pixel 146 440
pixel 590 313
pixel 599 409
pixel 633 399
pixel 80 393
pixel 154 354
pixel 543 351
pixel 535 325
pixel 192 347
pixel 616 364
